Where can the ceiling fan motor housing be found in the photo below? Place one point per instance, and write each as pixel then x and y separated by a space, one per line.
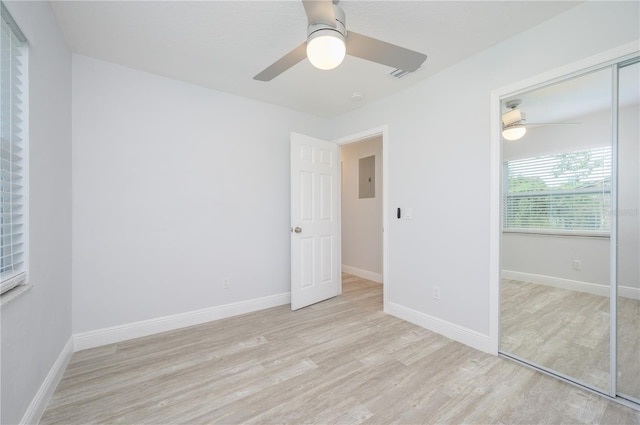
pixel 316 30
pixel 515 116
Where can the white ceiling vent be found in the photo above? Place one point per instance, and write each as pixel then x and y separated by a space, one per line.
pixel 399 73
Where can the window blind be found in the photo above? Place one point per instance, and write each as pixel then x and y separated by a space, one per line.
pixel 12 154
pixel 565 192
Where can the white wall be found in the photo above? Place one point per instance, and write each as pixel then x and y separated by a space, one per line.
pixel 361 218
pixel 37 325
pixel 440 166
pixel 176 187
pixel 628 210
pixel 552 256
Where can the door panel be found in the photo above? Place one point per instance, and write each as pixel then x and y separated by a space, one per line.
pixel 314 221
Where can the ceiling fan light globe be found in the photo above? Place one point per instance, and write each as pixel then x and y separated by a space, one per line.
pixel 326 49
pixel 515 132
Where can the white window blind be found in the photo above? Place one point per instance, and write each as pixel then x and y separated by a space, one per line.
pixel 565 192
pixel 13 154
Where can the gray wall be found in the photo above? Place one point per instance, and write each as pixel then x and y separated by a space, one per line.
pixel 37 325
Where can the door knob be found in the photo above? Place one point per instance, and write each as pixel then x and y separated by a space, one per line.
pixel 297 230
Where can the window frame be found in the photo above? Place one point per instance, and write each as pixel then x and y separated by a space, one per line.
pixel 555 231
pixel 18 41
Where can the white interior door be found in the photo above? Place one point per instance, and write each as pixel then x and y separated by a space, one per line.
pixel 315 256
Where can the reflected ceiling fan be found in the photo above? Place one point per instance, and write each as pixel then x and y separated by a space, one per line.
pixel 514 121
pixel 328 41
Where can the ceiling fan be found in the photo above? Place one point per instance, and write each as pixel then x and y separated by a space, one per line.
pixel 328 41
pixel 514 121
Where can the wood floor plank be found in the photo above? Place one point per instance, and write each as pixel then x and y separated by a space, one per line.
pixel 568 332
pixel 342 361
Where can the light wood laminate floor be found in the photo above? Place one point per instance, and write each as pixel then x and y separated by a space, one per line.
pixel 568 332
pixel 341 361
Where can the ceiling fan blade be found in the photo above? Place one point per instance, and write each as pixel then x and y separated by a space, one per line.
pixel 364 47
pixel 320 12
pixel 542 124
pixel 284 63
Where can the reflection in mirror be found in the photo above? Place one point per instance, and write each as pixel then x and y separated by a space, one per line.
pixel 628 272
pixel 556 229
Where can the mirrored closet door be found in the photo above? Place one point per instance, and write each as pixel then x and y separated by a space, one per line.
pixel 570 293
pixel 628 235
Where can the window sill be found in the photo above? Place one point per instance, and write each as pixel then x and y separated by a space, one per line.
pixel 569 234
pixel 14 293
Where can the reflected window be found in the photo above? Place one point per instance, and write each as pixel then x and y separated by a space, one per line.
pixel 563 192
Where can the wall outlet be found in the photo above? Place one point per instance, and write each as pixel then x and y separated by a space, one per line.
pixel 436 292
pixel 577 265
pixel 226 284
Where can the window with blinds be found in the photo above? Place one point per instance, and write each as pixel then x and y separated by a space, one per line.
pixel 13 154
pixel 560 193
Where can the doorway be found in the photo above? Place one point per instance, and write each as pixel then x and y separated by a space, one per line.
pixel 362 207
pixel 361 211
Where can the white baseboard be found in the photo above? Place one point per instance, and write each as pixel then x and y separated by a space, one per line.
pixel 91 339
pixel 365 274
pixel 629 292
pixel 458 333
pixel 572 285
pixel 45 392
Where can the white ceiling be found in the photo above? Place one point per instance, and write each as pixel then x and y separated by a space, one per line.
pixel 223 44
